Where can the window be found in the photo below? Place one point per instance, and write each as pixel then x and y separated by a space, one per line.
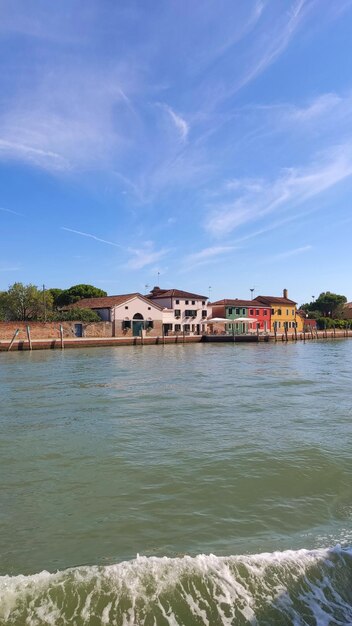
pixel 126 324
pixel 293 311
pixel 203 302
pixel 265 312
pixel 177 301
pixel 230 310
pixel 177 327
pixel 237 311
pixel 279 311
pixel 186 328
pixel 177 312
pixel 149 308
pixel 193 302
pixel 186 301
pixel 257 311
pixel 190 313
pixel 286 311
pixel 126 307
pixel 251 311
pixel 244 311
pixel 193 327
pixel 272 311
pixel 204 313
pixel 151 324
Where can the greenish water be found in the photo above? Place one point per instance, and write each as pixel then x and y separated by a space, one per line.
pixel 176 454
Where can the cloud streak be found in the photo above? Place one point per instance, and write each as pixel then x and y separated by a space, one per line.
pixel 90 236
pixel 292 188
pixel 10 211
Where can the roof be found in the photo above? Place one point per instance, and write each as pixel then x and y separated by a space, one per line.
pixel 236 302
pixel 107 302
pixel 174 293
pixel 275 300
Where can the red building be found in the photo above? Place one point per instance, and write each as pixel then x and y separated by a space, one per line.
pixel 232 309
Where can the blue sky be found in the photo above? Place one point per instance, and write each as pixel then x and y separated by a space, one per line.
pixel 191 144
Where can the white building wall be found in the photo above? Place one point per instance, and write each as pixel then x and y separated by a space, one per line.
pixel 127 310
pixel 187 324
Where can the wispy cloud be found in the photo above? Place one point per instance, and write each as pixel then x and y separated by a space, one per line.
pixel 208 254
pixel 79 232
pixel 292 187
pixel 181 125
pixel 144 256
pixel 289 253
pixel 9 268
pixel 10 211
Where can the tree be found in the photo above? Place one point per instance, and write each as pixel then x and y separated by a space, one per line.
pixel 2 305
pixel 330 304
pixel 25 302
pixel 56 293
pixel 75 315
pixel 78 292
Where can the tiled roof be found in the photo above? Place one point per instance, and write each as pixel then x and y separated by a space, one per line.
pixel 175 293
pixel 107 302
pixel 236 302
pixel 274 300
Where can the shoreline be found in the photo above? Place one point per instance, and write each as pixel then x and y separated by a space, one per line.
pixel 96 342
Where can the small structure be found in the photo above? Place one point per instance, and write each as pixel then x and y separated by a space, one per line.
pixel 129 313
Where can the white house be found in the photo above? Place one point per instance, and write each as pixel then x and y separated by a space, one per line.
pixel 183 311
pixel 129 313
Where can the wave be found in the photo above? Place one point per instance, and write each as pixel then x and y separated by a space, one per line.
pixel 303 587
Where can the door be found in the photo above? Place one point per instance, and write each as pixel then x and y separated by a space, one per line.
pixel 137 328
pixel 78 330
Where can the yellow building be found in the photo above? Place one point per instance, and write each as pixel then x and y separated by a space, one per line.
pixel 283 313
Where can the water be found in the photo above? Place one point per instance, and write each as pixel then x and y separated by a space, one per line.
pixel 195 484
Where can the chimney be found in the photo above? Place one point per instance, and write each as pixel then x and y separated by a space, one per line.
pixel 155 290
pixel 285 293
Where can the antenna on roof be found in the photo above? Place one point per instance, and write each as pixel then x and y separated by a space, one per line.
pixel 146 288
pixel 209 289
pixel 252 291
pixel 158 277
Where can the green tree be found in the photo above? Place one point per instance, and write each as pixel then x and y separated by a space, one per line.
pixel 25 302
pixel 78 292
pixel 75 315
pixel 2 305
pixel 56 293
pixel 330 304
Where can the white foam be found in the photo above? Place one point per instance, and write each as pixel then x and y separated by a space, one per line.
pixel 204 586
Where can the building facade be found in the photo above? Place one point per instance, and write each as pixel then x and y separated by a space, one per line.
pixel 130 314
pixel 185 312
pixel 284 313
pixel 236 309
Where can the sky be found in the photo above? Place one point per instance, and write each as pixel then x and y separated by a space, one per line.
pixel 204 145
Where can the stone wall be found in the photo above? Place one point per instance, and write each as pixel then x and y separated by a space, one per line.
pixel 51 330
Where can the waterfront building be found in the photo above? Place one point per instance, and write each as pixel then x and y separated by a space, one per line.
pixel 130 314
pixel 236 309
pixel 188 310
pixel 283 312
